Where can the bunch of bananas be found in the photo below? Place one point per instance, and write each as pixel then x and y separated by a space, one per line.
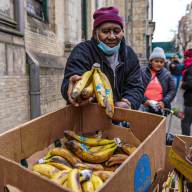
pixel 95 82
pixel 176 182
pixel 85 164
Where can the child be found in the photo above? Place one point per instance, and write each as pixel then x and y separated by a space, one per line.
pixel 187 86
pixel 158 83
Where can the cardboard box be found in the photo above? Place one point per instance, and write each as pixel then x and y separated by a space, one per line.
pixel 135 174
pixel 178 155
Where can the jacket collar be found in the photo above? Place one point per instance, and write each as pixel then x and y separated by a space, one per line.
pixel 149 69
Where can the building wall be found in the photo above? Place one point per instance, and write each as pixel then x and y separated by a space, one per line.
pixel 184 37
pixel 14 106
pixel 51 43
pixel 51 39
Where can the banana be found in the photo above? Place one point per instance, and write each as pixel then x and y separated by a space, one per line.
pixel 44 169
pixel 48 155
pixel 65 184
pixel 97 181
pixel 97 157
pixel 81 84
pixel 116 159
pixel 104 175
pixel 180 187
pixel 70 135
pixel 59 166
pixel 88 91
pixel 65 154
pixel 170 178
pixel 88 186
pixel 101 147
pixel 109 102
pixel 99 88
pixel 60 177
pixel 128 149
pixel 57 161
pixel 89 166
pixel 73 181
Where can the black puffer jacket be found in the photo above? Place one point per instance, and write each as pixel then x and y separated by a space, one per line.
pixel 126 82
pixel 167 83
pixel 187 85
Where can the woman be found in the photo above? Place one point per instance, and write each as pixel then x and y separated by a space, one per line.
pixel 118 61
pixel 187 86
pixel 158 83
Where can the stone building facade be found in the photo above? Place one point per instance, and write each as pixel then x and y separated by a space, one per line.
pixel 36 37
pixel 184 36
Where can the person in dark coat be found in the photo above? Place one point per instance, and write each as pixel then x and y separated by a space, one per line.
pixel 176 68
pixel 118 61
pixel 187 86
pixel 158 83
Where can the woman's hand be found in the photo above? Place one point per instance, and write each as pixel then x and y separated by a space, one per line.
pixel 72 81
pixel 160 105
pixel 147 103
pixel 124 103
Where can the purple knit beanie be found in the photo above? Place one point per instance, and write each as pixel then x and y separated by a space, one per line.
pixel 107 14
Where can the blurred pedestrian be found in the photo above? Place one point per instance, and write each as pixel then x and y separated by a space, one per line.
pixel 176 68
pixel 187 86
pixel 118 61
pixel 158 83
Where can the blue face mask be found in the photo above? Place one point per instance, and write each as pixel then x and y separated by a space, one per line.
pixel 108 50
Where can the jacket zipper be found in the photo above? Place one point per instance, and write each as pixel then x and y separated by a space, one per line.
pixel 114 74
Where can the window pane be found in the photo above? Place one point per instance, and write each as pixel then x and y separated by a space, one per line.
pixel 35 7
pixel 7 8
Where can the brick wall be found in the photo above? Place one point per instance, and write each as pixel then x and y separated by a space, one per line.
pixel 50 95
pixel 14 97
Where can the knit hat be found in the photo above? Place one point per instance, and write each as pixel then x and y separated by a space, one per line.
pixel 158 53
pixel 107 14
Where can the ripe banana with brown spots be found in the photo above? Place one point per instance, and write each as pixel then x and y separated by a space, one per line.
pixel 81 84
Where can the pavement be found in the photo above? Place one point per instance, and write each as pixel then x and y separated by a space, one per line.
pixel 174 123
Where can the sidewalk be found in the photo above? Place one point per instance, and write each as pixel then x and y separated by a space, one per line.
pixel 175 122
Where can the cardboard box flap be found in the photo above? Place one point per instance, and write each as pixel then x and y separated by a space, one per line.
pixel 145 121
pixel 178 146
pixel 125 134
pixel 13 174
pixel 93 118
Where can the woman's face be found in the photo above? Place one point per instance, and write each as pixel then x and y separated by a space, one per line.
pixel 109 33
pixel 157 64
